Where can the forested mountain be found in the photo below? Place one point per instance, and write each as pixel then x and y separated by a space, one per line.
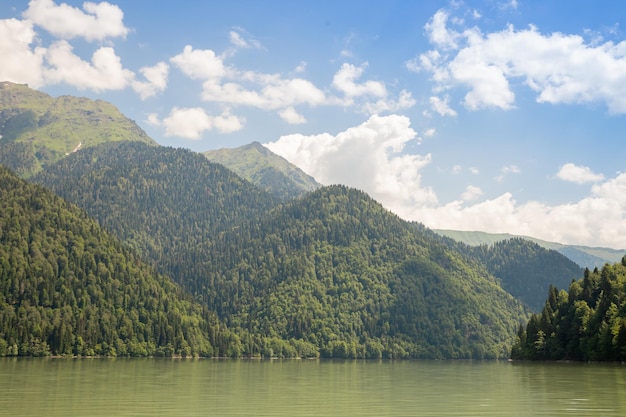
pixel 584 256
pixel 167 203
pixel 331 274
pixel 68 287
pixel 265 169
pixel 37 130
pixel 525 269
pixel 588 323
pixel 339 271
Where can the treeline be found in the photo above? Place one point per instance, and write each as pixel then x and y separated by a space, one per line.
pixel 69 288
pixel 587 323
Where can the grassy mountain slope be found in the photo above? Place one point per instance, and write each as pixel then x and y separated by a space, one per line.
pixel 68 287
pixel 37 130
pixel 584 256
pixel 265 169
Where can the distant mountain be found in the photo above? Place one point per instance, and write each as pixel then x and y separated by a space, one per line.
pixel 67 287
pixel 37 129
pixel 584 256
pixel 265 169
pixel 525 269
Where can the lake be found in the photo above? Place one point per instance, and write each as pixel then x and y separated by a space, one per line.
pixel 170 387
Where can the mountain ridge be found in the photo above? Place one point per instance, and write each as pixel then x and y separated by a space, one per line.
pixel 264 168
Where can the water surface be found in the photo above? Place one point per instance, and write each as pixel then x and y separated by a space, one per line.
pixel 226 388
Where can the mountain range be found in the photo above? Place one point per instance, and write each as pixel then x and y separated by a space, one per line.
pixel 265 261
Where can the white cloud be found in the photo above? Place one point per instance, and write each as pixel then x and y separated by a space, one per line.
pixel 291 116
pixel 506 170
pixel 25 65
pixel 191 123
pixel 560 68
pixel 438 33
pixel 430 132
pixel 277 93
pixel 199 64
pixel 97 21
pixel 578 174
pixel 597 220
pixel 239 41
pixel 366 157
pixel 104 72
pixel 441 106
pixel 345 81
pixel 471 193
pixel 156 80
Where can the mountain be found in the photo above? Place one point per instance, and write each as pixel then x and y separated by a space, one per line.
pixel 330 274
pixel 525 269
pixel 265 169
pixel 167 203
pixel 37 129
pixel 584 256
pixel 67 287
pixel 587 323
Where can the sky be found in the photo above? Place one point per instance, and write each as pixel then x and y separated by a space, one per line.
pixel 503 116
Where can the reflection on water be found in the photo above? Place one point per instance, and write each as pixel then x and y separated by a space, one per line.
pixel 160 387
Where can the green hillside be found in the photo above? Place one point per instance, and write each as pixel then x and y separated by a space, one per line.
pixel 331 274
pixel 525 269
pixel 587 323
pixel 584 256
pixel 265 169
pixel 69 288
pixel 37 130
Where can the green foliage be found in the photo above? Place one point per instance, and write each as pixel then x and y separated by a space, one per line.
pixel 43 129
pixel 588 323
pixel 69 288
pixel 265 169
pixel 332 274
pixel 525 269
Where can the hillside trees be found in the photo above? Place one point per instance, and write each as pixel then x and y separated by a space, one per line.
pixel 69 288
pixel 587 323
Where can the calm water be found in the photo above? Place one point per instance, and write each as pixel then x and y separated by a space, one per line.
pixel 156 387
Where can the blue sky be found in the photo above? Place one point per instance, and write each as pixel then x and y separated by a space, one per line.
pixel 493 115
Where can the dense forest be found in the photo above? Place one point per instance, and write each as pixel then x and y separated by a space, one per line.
pixel 587 323
pixel 525 269
pixel 333 273
pixel 69 288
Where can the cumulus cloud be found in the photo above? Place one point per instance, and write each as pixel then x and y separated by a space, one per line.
pixel 199 64
pixel 25 64
pixel 578 174
pixel 598 219
pixel 291 116
pixel 191 123
pixel 97 21
pixel 104 72
pixel 506 170
pixel 441 106
pixel 156 80
pixel 367 157
pixel 560 68
pixel 471 193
